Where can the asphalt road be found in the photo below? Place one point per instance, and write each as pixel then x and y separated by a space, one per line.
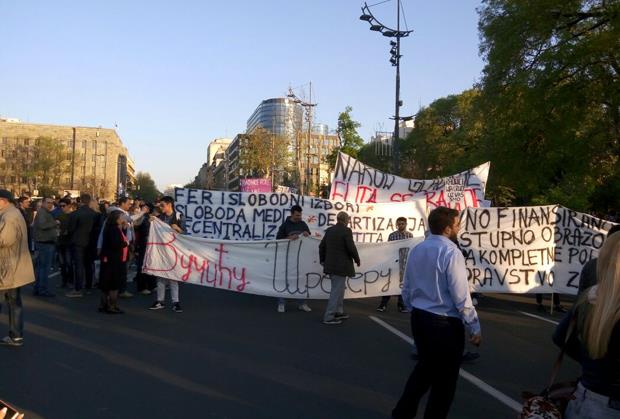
pixel 230 355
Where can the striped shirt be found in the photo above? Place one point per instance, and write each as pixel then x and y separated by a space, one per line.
pixel 397 235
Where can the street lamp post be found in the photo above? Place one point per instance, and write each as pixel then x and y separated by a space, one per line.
pixel 308 108
pixel 377 26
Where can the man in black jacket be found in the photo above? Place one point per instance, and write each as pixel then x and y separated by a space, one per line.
pixel 81 223
pixel 291 229
pixel 337 253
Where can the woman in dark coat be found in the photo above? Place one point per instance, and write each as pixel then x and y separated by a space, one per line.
pixel 114 253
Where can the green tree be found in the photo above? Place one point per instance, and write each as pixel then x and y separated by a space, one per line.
pixel 551 99
pixel 350 140
pixel 145 187
pixel 445 138
pixel 51 161
pixel 263 152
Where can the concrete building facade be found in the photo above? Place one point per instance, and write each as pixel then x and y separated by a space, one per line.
pixel 84 159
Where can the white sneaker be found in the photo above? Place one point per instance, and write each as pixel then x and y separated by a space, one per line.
pixel 281 308
pixel 305 307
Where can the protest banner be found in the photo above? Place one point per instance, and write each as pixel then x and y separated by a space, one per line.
pixel 529 249
pixel 255 185
pixel 279 268
pixel 257 216
pixel 354 181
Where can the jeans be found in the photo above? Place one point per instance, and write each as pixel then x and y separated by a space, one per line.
pixel 440 341
pixel 590 405
pixel 66 265
pixel 45 253
pixel 336 297
pixel 13 300
pixel 161 289
pixel 82 267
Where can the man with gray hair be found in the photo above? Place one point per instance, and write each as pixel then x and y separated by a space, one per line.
pixel 337 253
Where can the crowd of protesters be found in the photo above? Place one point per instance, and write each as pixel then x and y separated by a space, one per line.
pixel 91 243
pixel 76 235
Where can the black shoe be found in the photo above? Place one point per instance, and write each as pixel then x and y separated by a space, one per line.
pixel 403 309
pixel 470 356
pixel 341 316
pixel 559 309
pixel 176 307
pixel 157 305
pixel 332 321
pixel 381 308
pixel 9 341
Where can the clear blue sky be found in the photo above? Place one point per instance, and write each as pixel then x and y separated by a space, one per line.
pixel 175 75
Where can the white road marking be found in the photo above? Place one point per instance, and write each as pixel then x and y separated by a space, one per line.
pixel 513 404
pixel 53 274
pixel 539 317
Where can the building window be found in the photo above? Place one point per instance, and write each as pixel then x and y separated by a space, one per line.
pixel 26 141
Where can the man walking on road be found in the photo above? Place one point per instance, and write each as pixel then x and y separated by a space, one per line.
pixel 435 289
pixel 292 229
pixel 400 234
pixel 337 253
pixel 16 263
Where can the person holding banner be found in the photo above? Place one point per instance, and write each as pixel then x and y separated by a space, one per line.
pixel 337 252
pixel 437 292
pixel 400 234
pixel 175 220
pixel 291 229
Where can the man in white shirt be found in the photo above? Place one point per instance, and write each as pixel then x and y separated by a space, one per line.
pixel 436 291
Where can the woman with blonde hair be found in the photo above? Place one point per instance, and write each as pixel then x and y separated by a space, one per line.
pixel 595 340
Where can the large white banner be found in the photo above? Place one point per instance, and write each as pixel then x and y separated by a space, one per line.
pixel 257 216
pixel 529 249
pixel 281 268
pixel 356 182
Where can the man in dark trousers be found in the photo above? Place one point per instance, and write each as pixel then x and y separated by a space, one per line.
pixel 291 229
pixel 436 290
pixel 81 222
pixel 337 253
pixel 400 234
pixel 17 269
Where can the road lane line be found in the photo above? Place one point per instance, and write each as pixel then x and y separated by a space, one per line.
pixel 513 404
pixel 539 317
pixel 53 274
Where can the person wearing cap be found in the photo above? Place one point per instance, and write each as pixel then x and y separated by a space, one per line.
pixel 17 266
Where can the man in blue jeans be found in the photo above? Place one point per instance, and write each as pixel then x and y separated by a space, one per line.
pixel 17 266
pixel 45 232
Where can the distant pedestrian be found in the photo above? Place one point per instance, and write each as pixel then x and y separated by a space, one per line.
pixel 293 228
pixel 63 247
pixel 24 205
pixel 45 233
pixel 113 256
pixel 175 220
pixel 436 290
pixel 145 283
pixel 81 225
pixel 337 252
pixel 400 234
pixel 17 269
